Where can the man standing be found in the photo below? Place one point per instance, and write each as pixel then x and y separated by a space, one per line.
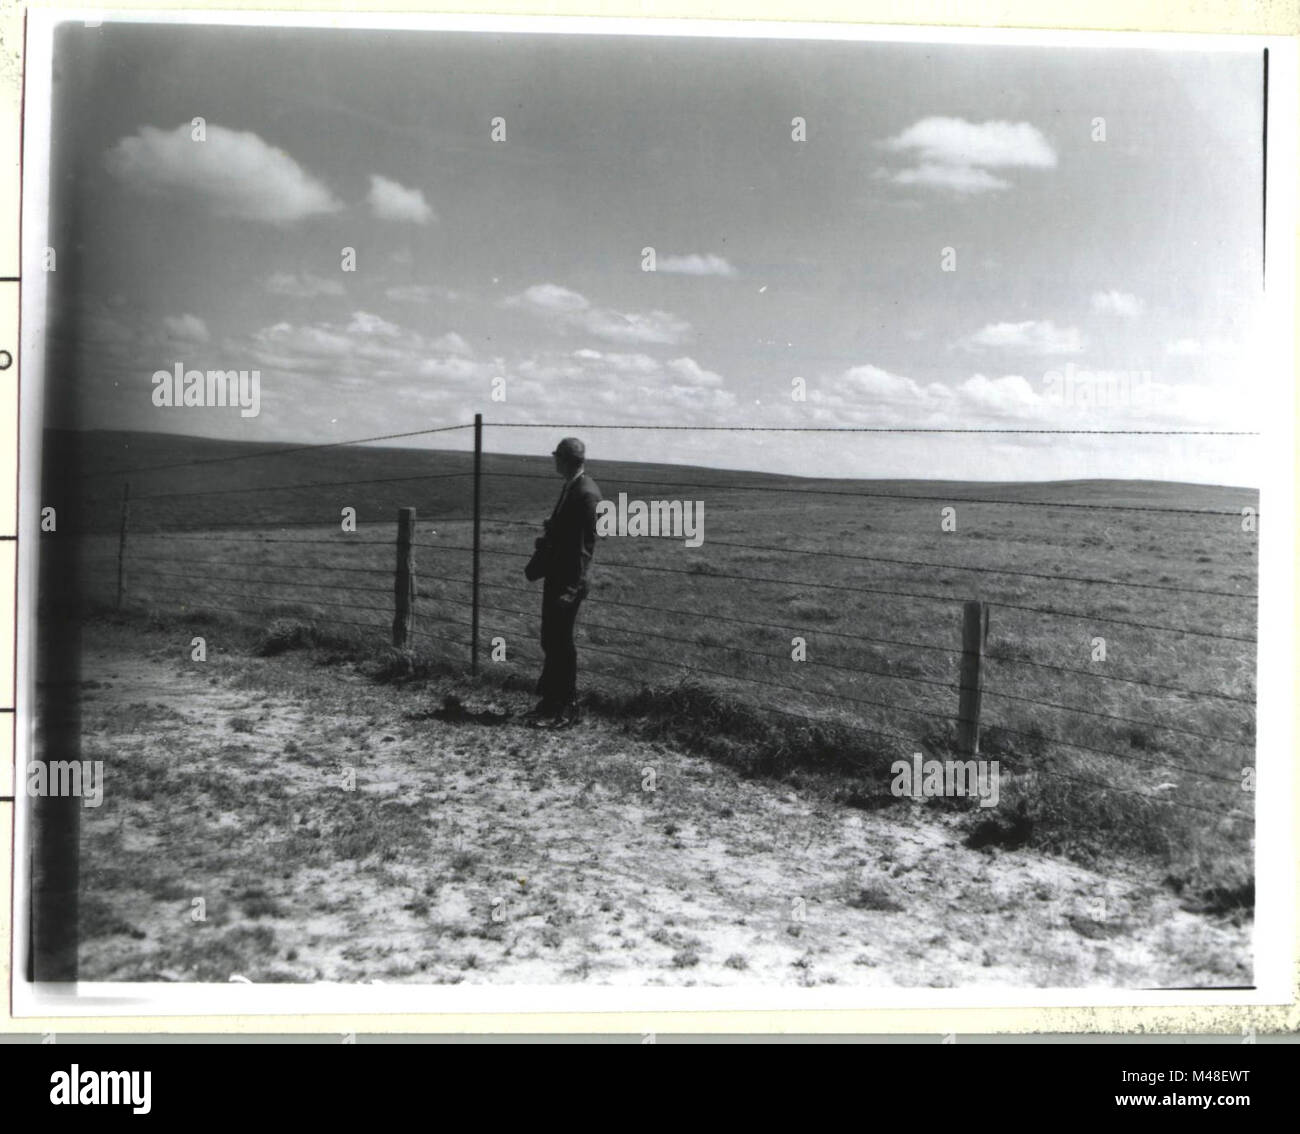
pixel 563 560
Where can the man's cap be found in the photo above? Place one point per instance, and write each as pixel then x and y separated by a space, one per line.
pixel 571 448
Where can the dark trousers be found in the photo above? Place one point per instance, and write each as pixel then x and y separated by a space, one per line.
pixel 558 683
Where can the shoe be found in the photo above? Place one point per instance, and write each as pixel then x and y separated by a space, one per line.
pixel 567 716
pixel 542 712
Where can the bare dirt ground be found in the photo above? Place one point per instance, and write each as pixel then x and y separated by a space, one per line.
pixel 326 827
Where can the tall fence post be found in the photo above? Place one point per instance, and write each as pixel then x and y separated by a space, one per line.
pixel 121 541
pixel 404 580
pixel 478 486
pixel 974 633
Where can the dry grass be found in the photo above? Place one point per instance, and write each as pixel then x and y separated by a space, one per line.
pixel 1170 798
pixel 456 852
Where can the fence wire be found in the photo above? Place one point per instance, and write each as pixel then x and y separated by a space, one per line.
pixel 134 563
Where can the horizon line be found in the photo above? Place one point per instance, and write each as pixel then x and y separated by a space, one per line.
pixel 371 443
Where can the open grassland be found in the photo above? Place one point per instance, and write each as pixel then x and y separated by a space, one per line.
pixel 1141 754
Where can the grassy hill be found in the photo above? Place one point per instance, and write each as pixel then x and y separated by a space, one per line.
pixel 243 490
pixel 1141 752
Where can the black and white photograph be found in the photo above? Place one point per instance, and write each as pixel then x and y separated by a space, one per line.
pixel 653 516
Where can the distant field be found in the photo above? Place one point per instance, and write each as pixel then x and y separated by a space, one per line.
pixel 1142 753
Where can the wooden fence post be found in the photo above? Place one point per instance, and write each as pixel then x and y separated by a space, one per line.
pixel 974 633
pixel 478 483
pixel 404 580
pixel 121 540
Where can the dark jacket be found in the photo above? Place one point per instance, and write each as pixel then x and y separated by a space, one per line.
pixel 571 538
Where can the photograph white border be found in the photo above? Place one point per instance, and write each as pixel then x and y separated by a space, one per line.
pixel 1274 925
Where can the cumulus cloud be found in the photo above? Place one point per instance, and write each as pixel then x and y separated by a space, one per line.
pixel 695 264
pixel 620 363
pixel 299 347
pixel 452 369
pixel 234 172
pixel 1068 398
pixel 551 297
pixel 1032 336
pixel 954 141
pixel 302 345
pixel 957 178
pixel 954 155
pixel 1117 303
pixel 635 327
pixel 887 392
pixel 304 286
pixel 1009 394
pixel 609 381
pixel 365 323
pixel 366 351
pixel 188 327
pixel 690 372
pixel 452 343
pixel 568 310
pixel 879 395
pixel 390 201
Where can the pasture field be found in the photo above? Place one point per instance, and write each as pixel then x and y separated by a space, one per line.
pixel 1136 758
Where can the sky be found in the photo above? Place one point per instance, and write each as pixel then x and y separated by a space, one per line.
pixel 843 234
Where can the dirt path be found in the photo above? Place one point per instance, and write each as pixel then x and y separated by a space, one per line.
pixel 329 828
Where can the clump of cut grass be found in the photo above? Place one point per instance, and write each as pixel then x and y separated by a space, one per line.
pixel 874 896
pixel 745 736
pixel 285 634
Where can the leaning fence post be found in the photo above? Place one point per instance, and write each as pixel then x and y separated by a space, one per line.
pixel 974 633
pixel 478 483
pixel 121 540
pixel 404 580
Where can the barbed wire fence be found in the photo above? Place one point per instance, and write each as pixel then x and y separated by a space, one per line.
pixel 444 575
